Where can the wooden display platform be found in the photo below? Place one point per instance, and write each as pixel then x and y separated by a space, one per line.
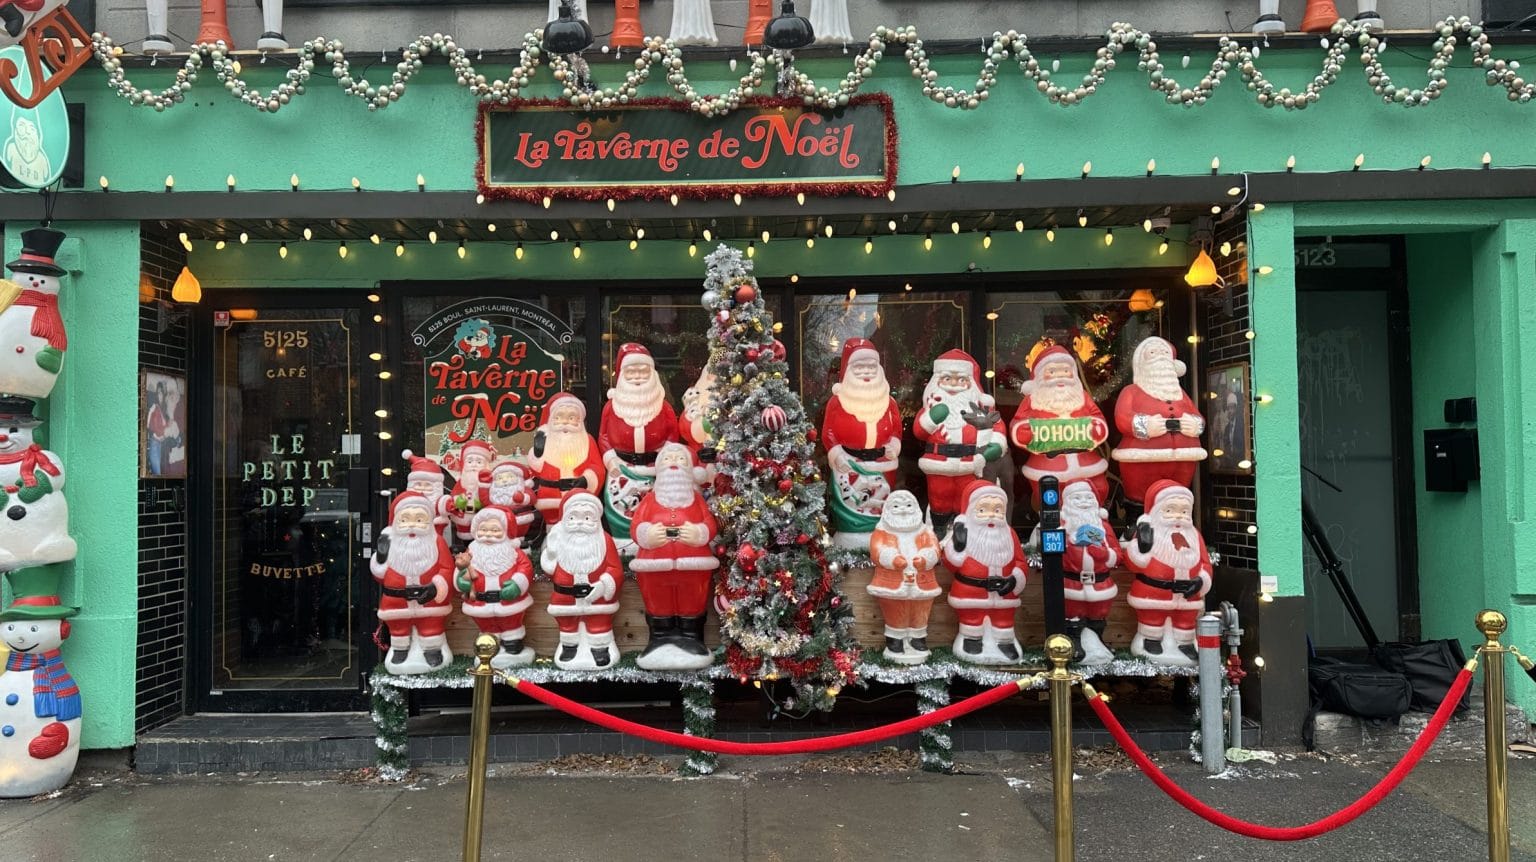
pixel 631 634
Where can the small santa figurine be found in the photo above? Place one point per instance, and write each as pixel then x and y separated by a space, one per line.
pixel 467 495
pixel 565 458
pixel 673 529
pixel 984 553
pixel 425 477
pixel 1173 574
pixel 636 421
pixel 1087 580
pixel 861 431
pixel 960 431
pixel 1160 426
pixel 494 576
pixel 414 568
pixel 693 426
pixel 1058 425
pixel 584 568
pixel 510 488
pixel 905 552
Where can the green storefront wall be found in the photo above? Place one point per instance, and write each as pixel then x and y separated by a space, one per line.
pixel 1469 261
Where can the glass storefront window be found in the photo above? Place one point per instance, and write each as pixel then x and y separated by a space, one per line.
pixel 674 327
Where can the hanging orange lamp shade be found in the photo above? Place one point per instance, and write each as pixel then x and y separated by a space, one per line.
pixel 1202 272
pixel 1143 300
pixel 187 288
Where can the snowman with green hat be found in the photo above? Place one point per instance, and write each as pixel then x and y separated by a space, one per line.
pixel 39 702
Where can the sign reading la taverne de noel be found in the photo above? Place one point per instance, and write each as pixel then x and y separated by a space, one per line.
pixel 658 147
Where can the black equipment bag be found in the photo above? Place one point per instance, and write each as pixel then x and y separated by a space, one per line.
pixel 1362 690
pixel 1431 668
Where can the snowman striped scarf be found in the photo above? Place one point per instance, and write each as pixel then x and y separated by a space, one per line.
pixel 54 692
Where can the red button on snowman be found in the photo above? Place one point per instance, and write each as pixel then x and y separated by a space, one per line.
pixel 39 702
pixel 32 339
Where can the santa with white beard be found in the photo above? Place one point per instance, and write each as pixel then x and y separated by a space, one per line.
pixel 673 530
pixel 494 576
pixel 960 431
pixel 584 568
pixel 984 553
pixel 1088 583
pixel 693 426
pixel 466 497
pixel 1058 425
pixel 425 477
pixel 636 421
pixel 1173 574
pixel 1159 424
pixel 413 566
pixel 510 488
pixel 861 431
pixel 564 458
pixel 905 553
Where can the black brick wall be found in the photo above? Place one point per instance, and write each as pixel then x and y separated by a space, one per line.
pixel 162 653
pixel 1228 500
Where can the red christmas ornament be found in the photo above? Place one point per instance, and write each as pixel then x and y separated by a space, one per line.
pixel 774 417
pixel 753 353
pixel 811 435
pixel 746 293
pixel 778 350
pixel 785 486
pixel 802 539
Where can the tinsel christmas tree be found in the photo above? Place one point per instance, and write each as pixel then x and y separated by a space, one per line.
pixel 786 617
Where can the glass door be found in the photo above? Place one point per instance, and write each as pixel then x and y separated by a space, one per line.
pixel 289 508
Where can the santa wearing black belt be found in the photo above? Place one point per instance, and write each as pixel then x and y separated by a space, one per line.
pixel 636 421
pixel 1173 574
pixel 565 458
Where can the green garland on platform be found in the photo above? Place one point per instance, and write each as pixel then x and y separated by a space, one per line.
pixel 935 745
pixel 699 720
pixel 390 720
pixel 775 73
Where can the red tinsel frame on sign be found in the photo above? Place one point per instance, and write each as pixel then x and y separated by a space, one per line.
pixel 535 194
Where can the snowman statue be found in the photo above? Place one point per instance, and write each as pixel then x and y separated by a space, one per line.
pixel 32 338
pixel 39 702
pixel 35 527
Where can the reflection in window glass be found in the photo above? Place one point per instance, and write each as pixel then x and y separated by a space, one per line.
pixel 674 327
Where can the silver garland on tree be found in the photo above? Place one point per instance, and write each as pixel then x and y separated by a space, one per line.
pixel 699 720
pixel 935 745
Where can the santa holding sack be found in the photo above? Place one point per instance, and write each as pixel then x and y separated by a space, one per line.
pixel 635 423
pixel 413 566
pixel 584 568
pixel 1059 426
pixel 960 430
pixel 861 431
pixel 564 458
pixel 1160 426
pixel 984 553
pixel 467 495
pixel 1173 574
pixel 494 576
pixel 674 562
pixel 905 553
pixel 510 488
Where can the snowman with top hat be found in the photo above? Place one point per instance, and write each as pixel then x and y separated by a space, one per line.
pixel 39 702
pixel 34 516
pixel 32 340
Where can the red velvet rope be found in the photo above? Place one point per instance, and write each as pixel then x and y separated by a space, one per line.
pixel 793 746
pixel 1290 833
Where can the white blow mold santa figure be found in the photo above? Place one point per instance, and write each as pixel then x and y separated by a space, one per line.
pixel 960 430
pixel 32 339
pixel 1059 426
pixel 693 426
pixel 39 701
pixel 565 457
pixel 425 477
pixel 636 421
pixel 467 495
pixel 414 568
pixel 1088 582
pixel 1159 425
pixel 861 431
pixel 1173 574
pixel 494 576
pixel 905 552
pixel 586 573
pixel 35 529
pixel 984 553
pixel 510 488
pixel 674 564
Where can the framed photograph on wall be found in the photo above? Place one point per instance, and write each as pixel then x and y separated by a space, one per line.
pixel 162 425
pixel 1229 418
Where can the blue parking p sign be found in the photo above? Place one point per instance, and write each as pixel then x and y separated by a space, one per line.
pixel 1053 541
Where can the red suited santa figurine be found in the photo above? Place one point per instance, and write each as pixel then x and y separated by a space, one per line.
pixel 961 433
pixel 693 426
pixel 494 576
pixel 673 530
pixel 862 434
pixel 1173 574
pixel 565 458
pixel 425 477
pixel 1159 424
pixel 1088 583
pixel 636 420
pixel 413 566
pixel 1058 426
pixel 984 553
pixel 511 489
pixel 584 569
pixel 468 492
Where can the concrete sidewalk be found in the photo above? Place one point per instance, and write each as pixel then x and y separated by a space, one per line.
pixel 788 809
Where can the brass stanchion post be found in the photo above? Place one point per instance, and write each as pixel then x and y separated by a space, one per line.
pixel 1058 648
pixel 479 735
pixel 1492 624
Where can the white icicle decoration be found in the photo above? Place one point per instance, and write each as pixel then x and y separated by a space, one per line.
pixel 693 23
pixel 829 21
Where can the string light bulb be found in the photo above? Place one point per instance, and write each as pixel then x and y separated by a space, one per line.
pixel 1290 164
pixel 1423 163
pixel 869 246
pixel 375 238
pixel 810 242
pixel 491 226
pixel 954 175
pixel 1082 218
pixel 218 246
pixel 547 202
pixel 634 244
pixel 1162 247
pixel 751 248
pixel 954 227
pixel 1087 169
pixel 1266 269
pixel 1359 161
pixel 736 198
pixel 170 183
pixel 828 231
pixel 891 195
pixel 576 250
pixel 518 251
pixel 891 225
pixel 282 250
pixel 693 249
pixel 1487 163
pixel 707 235
pixel 357 184
pixel 986 240
pixel 1215 165
pixel 293 182
pixel 554 236
pixel 1018 226
pixel 341 250
pixel 400 248
pixel 308 234
pixel 105 186
pixel 432 237
pixel 928 242
pixel 1018 172
pixel 639 233
pixel 229 183
pixel 1050 234
pixel 462 250
pixel 1151 167
pixel 766 236
pixel 611 204
pixel 1109 236
pixel 1146 225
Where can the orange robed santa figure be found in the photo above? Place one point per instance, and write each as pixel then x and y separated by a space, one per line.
pixel 984 553
pixel 673 529
pixel 564 458
pixel 586 574
pixel 413 566
pixel 905 552
pixel 1058 426
pixel 1173 574
pixel 494 576
pixel 636 420
pixel 467 495
pixel 1159 424
pixel 510 488
pixel 861 431
pixel 960 431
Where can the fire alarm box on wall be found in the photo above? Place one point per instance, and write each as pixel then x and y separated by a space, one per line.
pixel 1450 459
